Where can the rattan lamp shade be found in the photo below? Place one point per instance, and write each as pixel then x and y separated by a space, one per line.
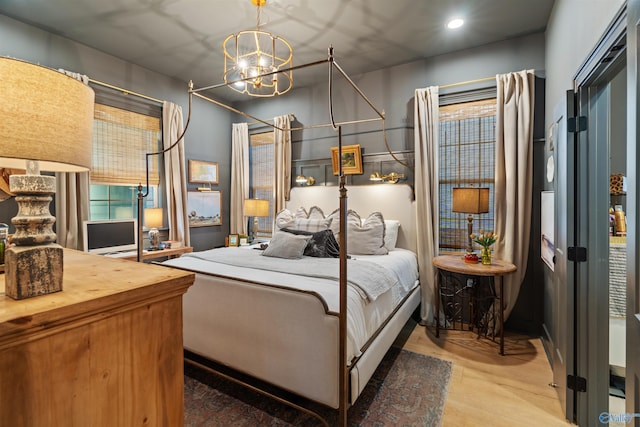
pixel 45 116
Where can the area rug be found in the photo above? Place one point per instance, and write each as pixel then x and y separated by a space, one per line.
pixel 407 389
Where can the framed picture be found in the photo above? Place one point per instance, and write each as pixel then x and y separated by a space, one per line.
pixel 351 159
pixel 234 240
pixel 204 208
pixel 203 172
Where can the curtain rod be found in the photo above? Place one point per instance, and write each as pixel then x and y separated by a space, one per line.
pixel 291 117
pixel 125 91
pixel 468 82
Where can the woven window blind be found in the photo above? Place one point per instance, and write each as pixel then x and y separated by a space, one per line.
pixel 467 145
pixel 121 140
pixel 261 159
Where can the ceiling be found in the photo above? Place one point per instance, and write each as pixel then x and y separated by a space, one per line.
pixel 183 38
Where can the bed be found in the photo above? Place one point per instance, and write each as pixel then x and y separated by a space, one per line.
pixel 283 328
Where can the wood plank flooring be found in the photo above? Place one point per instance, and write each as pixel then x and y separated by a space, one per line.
pixel 487 389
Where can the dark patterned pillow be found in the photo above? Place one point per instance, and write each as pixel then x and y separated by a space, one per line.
pixel 322 244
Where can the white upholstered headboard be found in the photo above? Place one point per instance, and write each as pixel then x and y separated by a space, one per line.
pixel 394 201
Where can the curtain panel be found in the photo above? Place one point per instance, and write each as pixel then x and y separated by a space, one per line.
pixel 427 130
pixel 239 177
pixel 175 173
pixel 282 167
pixel 514 176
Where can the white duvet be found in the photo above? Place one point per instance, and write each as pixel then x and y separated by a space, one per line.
pixel 365 315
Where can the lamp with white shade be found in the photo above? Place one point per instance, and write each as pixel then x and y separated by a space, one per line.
pixel 153 221
pixel 46 124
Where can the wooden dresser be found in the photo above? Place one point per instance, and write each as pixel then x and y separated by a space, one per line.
pixel 106 351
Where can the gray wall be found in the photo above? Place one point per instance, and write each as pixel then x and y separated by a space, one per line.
pixel 208 135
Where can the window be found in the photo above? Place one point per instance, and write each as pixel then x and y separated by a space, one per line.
pixel 467 145
pixel 261 176
pixel 121 139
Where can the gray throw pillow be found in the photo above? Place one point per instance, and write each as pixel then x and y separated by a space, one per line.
pixel 286 245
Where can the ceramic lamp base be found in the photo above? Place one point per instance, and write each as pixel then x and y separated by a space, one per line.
pixel 154 239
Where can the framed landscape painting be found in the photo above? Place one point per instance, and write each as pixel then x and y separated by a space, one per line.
pixel 351 160
pixel 203 172
pixel 204 208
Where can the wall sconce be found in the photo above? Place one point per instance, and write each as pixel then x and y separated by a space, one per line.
pixel 304 180
pixel 153 221
pixel 472 201
pixel 391 178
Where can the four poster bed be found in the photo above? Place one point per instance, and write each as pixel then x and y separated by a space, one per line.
pixel 320 335
pixel 284 328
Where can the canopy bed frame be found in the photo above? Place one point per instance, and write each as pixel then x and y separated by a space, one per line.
pixel 337 321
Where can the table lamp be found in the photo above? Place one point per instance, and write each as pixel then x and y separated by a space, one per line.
pixel 153 221
pixel 470 200
pixel 46 123
pixel 255 208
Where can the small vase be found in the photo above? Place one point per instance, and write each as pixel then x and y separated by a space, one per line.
pixel 485 256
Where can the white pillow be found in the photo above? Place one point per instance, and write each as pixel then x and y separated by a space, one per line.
pixel 365 237
pixel 311 224
pixel 391 233
pixel 286 219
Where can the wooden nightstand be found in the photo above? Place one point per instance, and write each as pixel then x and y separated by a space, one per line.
pixel 456 264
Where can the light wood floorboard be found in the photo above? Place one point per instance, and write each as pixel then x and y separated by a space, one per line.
pixel 487 389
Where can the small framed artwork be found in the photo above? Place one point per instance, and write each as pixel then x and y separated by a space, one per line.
pixel 234 240
pixel 204 208
pixel 351 160
pixel 203 172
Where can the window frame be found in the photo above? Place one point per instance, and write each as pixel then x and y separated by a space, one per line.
pixel 454 225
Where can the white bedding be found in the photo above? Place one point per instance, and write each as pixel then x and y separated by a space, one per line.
pixel 365 316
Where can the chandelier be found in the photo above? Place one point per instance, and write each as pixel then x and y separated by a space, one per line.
pixel 257 62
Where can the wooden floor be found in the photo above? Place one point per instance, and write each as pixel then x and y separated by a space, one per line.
pixel 487 389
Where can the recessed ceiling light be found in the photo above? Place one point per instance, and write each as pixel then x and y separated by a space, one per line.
pixel 455 23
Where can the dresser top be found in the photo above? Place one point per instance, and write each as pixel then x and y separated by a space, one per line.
pixel 92 284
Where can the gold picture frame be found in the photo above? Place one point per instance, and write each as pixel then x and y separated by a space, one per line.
pixel 351 160
pixel 201 172
pixel 234 240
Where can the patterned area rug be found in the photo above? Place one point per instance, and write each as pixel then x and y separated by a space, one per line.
pixel 407 389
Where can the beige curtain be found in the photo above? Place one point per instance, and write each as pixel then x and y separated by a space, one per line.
pixel 72 198
pixel 239 177
pixel 426 133
pixel 282 167
pixel 175 173
pixel 72 208
pixel 513 177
